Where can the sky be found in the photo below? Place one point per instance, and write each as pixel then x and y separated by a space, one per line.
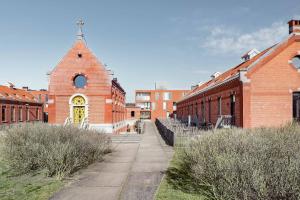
pixel 175 43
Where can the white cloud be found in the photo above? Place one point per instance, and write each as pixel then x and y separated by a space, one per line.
pixel 229 40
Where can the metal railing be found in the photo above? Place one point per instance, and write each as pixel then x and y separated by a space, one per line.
pixel 177 134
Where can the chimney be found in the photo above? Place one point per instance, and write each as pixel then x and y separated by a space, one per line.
pixel 25 88
pixel 294 26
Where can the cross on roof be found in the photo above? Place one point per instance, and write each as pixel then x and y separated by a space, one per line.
pixel 80 24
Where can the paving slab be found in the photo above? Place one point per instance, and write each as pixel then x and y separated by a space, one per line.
pixel 150 164
pixel 132 172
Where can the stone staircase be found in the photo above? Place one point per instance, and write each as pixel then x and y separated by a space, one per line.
pixel 126 138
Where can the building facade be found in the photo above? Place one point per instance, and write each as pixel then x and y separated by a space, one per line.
pixel 82 91
pixel 41 96
pixel 263 90
pixel 133 114
pixel 158 103
pixel 18 106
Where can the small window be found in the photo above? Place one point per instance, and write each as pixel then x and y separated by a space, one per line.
pixel 79 55
pixel 296 62
pixel 12 114
pixel 156 96
pixel 20 114
pixel 165 105
pixel 153 106
pixel 219 106
pixel 3 111
pixel 132 114
pixel 27 114
pixel 80 81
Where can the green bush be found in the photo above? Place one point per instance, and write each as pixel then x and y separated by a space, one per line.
pixel 261 163
pixel 57 149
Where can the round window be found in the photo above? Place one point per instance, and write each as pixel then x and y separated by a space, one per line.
pixel 80 81
pixel 296 62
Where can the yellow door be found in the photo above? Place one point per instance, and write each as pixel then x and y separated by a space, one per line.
pixel 78 114
pixel 78 109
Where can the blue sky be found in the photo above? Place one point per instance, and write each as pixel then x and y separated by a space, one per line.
pixel 174 42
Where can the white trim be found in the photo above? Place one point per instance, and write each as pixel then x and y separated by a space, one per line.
pixel 86 105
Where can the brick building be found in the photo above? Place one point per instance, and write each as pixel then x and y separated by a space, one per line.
pixel 263 90
pixel 82 91
pixel 41 96
pixel 158 103
pixel 17 106
pixel 133 114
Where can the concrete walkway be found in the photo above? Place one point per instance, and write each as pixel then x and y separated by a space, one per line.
pixel 133 171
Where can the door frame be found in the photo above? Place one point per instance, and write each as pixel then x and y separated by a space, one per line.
pixel 71 106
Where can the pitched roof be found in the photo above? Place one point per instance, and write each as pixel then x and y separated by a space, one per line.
pixel 14 94
pixel 227 75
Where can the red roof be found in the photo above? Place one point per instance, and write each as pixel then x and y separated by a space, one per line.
pixel 227 74
pixel 14 94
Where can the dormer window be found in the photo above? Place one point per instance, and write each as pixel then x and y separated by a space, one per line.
pixel 250 54
pixel 296 62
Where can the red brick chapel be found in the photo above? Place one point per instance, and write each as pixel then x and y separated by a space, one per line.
pixel 83 92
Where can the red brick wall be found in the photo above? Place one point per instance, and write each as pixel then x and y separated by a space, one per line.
pixel 271 88
pixel 32 108
pixel 137 113
pixel 192 106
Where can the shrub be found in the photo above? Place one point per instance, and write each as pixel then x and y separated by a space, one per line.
pixel 57 149
pixel 262 163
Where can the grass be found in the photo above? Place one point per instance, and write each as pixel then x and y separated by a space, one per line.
pixel 35 159
pixel 168 190
pixel 29 186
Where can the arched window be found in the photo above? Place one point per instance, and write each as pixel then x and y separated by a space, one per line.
pixel 80 81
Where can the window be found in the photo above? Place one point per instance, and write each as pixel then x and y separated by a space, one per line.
pixel 27 114
pixel 167 96
pixel 40 97
pixel 20 114
pixel 3 111
pixel 12 114
pixel 80 81
pixel 132 114
pixel 232 108
pixel 209 110
pixel 79 55
pixel 165 105
pixel 219 106
pixel 203 111
pixel 46 98
pixel 153 106
pixel 156 96
pixel 174 106
pixel 296 62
